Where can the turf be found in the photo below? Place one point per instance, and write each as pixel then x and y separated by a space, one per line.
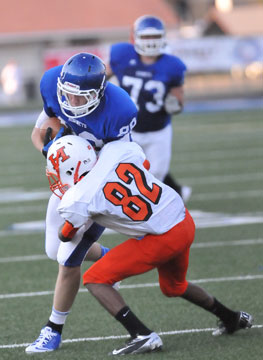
pixel 220 156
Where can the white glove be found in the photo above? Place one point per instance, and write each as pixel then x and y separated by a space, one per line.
pixel 171 105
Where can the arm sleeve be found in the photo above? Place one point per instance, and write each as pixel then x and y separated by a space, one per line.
pixel 45 90
pixel 41 119
pixel 178 69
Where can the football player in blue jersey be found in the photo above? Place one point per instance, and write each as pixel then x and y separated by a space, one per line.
pixel 154 81
pixel 79 95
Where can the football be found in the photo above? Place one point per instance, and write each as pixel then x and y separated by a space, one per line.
pixel 55 125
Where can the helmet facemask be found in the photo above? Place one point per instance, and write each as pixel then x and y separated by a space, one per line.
pixel 92 97
pixel 56 185
pixel 149 45
pixel 69 159
pixel 81 85
pixel 149 36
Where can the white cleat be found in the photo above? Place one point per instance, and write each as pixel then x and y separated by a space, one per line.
pixel 140 344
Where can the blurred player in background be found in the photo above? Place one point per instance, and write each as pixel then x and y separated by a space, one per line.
pixel 118 192
pixel 78 94
pixel 154 81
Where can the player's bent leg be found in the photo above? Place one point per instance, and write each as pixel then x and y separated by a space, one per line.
pixel 198 296
pixel 66 289
pixel 95 252
pixel 108 297
pixel 229 321
pixel 142 339
pixel 53 222
pixel 70 256
pixel 67 286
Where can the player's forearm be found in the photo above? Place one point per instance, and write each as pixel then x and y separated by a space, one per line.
pixel 36 139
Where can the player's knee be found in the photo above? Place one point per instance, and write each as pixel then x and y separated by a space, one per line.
pixel 88 278
pixel 67 272
pixel 51 252
pixel 176 290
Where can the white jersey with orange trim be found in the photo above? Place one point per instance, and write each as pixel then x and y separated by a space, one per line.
pixel 120 194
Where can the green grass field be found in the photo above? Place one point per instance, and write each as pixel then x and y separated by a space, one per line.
pixel 220 155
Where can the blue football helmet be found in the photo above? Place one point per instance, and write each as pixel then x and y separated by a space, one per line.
pixel 83 78
pixel 149 35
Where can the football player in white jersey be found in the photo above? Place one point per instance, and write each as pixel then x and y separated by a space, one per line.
pixel 154 80
pixel 116 191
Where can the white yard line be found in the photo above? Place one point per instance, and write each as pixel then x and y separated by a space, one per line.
pixel 16 196
pixel 14 259
pixel 25 209
pixel 202 220
pixel 116 337
pixel 228 164
pixel 138 286
pixel 37 257
pixel 227 195
pixel 218 154
pixel 219 179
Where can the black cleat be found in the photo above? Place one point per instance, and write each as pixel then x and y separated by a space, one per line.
pixel 243 321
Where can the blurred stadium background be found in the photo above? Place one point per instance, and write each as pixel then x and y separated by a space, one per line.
pixel 220 41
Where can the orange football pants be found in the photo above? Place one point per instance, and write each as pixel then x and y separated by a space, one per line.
pixel 168 252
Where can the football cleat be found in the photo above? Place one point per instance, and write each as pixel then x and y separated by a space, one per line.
pixel 243 321
pixel 186 193
pixel 140 344
pixel 48 340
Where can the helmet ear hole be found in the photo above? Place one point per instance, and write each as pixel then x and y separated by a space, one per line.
pixel 70 171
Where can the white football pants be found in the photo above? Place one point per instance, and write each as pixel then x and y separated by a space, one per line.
pixel 157 146
pixel 69 253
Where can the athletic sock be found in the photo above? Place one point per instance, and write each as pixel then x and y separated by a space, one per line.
pixel 57 319
pixel 104 250
pixel 56 327
pixel 222 312
pixel 131 323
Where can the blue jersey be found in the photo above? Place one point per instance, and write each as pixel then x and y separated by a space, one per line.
pixel 111 120
pixel 147 85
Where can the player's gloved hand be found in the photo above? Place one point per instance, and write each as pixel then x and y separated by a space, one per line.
pixel 172 105
pixel 48 141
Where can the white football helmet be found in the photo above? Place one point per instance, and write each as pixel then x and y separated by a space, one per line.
pixel 149 35
pixel 68 159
